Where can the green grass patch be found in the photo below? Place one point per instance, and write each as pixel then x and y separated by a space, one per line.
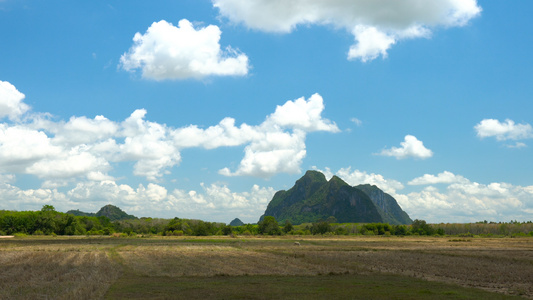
pixel 344 286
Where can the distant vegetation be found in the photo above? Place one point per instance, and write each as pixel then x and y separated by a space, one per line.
pixel 48 221
pixel 112 212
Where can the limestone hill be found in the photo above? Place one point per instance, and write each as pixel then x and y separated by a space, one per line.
pixel 314 198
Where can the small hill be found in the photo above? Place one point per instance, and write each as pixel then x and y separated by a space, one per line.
pixel 314 198
pixel 236 222
pixel 112 212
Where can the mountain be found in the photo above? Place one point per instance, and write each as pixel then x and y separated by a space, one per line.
pixel 236 222
pixel 387 206
pixel 314 198
pixel 112 212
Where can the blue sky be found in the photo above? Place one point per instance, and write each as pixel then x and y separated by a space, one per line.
pixel 203 109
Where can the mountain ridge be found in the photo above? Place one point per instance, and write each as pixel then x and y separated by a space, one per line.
pixel 314 198
pixel 113 213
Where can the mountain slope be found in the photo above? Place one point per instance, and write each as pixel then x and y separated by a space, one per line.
pixel 389 209
pixel 313 198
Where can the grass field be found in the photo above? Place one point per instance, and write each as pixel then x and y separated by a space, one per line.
pixel 266 268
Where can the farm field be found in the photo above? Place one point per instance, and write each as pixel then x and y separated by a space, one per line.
pixel 346 267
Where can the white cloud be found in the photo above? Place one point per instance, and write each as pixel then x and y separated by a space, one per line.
pixel 20 147
pixel 517 145
pixel 82 130
pixel 357 177
pixel 410 147
pixel 169 52
pixel 61 152
pixel 224 134
pixel 276 152
pixel 76 162
pixel 149 144
pixel 466 201
pixel 376 25
pixel 302 114
pixel 371 43
pixel 73 159
pixel 273 150
pixel 502 131
pixel 444 177
pixel 11 104
pixel 356 121
pixel 213 202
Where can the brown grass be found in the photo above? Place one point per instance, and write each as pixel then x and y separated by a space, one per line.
pixel 86 268
pixel 54 272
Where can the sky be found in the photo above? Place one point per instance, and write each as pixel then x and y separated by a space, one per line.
pixel 204 109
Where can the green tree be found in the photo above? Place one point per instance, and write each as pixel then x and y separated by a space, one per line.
pixel 320 227
pixel 420 227
pixel 227 230
pixel 269 226
pixel 288 226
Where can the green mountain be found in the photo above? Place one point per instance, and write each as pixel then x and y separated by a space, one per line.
pixel 236 222
pixel 313 198
pixel 387 206
pixel 112 212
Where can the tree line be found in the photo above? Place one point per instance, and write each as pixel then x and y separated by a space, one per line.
pixel 48 221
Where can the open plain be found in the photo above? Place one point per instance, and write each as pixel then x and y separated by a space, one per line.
pixel 347 267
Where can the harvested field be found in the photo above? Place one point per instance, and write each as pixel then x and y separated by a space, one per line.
pixel 415 267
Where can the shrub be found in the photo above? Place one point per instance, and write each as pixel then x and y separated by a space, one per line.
pixel 227 230
pixel 269 226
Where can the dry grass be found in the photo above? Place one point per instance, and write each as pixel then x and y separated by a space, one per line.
pixel 86 268
pixel 60 271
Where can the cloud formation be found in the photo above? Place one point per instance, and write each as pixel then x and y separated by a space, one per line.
pixel 213 202
pixel 59 152
pixel 444 177
pixel 169 52
pixel 376 25
pixel 465 201
pixel 503 131
pixel 410 147
pixel 74 158
pixel 11 104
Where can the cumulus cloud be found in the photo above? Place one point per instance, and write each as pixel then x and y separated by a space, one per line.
pixel 273 150
pixel 60 152
pixel 212 201
pixel 467 201
pixel 444 177
pixel 375 25
pixel 410 147
pixel 276 152
pixel 502 131
pixel 11 104
pixel 169 52
pixel 302 114
pixel 20 147
pixel 357 177
pixel 73 160
pixel 83 130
